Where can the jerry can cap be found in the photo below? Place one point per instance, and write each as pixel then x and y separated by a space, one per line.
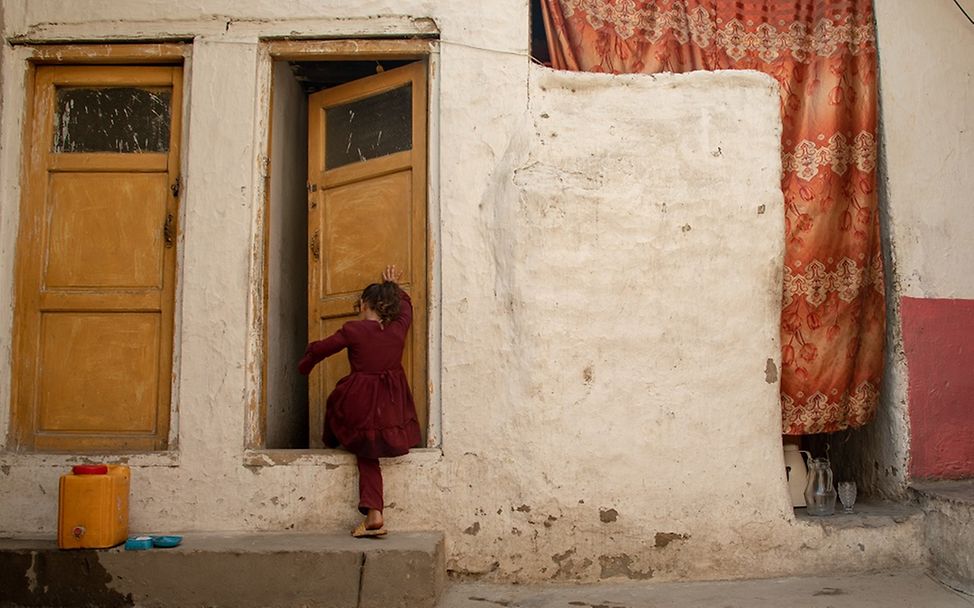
pixel 90 469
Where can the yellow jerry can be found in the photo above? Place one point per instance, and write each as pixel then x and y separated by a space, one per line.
pixel 93 507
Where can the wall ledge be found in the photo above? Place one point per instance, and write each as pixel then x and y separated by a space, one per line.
pixel 34 459
pixel 183 27
pixel 332 458
pixel 868 514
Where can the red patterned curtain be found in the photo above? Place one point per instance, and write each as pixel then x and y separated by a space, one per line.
pixel 823 54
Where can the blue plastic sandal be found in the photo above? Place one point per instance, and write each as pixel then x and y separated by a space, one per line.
pixel 138 543
pixel 165 542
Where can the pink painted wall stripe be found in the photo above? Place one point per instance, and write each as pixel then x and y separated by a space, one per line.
pixel 938 339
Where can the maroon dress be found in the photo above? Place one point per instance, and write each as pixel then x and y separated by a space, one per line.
pixel 371 412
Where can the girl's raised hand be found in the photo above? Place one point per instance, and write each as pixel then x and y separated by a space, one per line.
pixel 391 273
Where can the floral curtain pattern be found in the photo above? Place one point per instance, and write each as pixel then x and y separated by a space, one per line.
pixel 823 55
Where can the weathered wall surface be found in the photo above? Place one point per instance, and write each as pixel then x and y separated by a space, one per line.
pixel 608 254
pixel 928 121
pixel 608 365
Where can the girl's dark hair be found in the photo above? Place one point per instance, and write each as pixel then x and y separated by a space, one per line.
pixel 383 298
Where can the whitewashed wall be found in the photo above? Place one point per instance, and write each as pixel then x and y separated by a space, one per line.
pixel 608 264
pixel 927 62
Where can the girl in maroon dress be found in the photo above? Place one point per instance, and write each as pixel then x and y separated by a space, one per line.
pixel 371 413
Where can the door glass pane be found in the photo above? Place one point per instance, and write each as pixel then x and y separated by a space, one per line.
pixel 112 119
pixel 369 128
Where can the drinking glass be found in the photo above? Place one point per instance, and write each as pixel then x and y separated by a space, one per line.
pixel 847 495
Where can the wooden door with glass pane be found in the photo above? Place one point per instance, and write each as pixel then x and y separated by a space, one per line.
pixel 366 209
pixel 96 260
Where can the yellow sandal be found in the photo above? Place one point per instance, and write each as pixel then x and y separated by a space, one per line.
pixel 361 531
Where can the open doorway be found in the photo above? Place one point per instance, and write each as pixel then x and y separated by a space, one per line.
pixel 320 235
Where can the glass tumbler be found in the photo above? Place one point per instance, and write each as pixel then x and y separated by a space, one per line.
pixel 847 495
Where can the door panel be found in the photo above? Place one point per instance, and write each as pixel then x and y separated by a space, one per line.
pixel 363 222
pixel 367 209
pixel 99 376
pixel 96 260
pixel 87 213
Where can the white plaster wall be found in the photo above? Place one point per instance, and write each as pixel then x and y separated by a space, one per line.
pixel 608 256
pixel 9 211
pixel 926 52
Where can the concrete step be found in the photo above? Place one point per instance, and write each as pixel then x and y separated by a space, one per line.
pixel 948 525
pixel 403 569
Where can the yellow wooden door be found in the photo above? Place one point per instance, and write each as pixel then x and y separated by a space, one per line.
pixel 96 260
pixel 367 209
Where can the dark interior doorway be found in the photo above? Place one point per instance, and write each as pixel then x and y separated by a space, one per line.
pixel 286 244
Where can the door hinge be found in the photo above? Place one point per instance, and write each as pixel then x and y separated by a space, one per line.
pixel 174 188
pixel 312 200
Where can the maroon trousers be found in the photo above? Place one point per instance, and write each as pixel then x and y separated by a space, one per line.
pixel 369 484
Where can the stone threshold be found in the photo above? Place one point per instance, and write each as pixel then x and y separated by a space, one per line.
pixel 869 513
pixel 960 491
pixel 245 570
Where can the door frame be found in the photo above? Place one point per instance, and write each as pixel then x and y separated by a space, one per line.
pixel 122 54
pixel 272 51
